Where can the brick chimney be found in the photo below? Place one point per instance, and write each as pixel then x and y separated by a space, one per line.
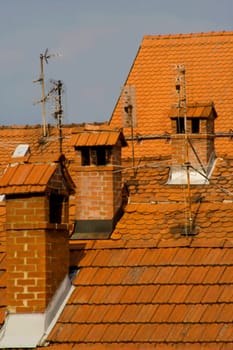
pixel 37 241
pixel 200 139
pixel 98 181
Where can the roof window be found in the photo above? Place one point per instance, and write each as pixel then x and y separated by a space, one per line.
pixel 21 151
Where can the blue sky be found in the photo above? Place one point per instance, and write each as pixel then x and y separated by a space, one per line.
pixel 98 40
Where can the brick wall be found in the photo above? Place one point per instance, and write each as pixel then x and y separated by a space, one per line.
pixel 202 149
pixel 37 255
pixel 37 249
pixel 98 188
pixel 95 196
pixel 200 144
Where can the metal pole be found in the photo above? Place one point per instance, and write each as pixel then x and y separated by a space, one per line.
pixel 59 88
pixel 187 163
pixel 43 95
pixel 130 108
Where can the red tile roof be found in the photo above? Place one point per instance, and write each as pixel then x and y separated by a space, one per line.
pixel 150 184
pixel 164 224
pixel 145 296
pixel 151 285
pixel 207 58
pixel 42 148
pixel 30 177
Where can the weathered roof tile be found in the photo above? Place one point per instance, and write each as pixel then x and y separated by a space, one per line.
pixel 207 58
pixel 151 282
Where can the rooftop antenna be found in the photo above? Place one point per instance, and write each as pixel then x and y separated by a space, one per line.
pixel 129 113
pixel 44 57
pixel 182 104
pixel 56 93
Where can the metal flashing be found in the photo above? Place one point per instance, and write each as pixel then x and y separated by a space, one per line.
pixel 29 330
pixel 95 229
pixel 178 176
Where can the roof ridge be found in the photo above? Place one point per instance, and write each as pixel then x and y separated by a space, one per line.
pixel 21 127
pixel 187 35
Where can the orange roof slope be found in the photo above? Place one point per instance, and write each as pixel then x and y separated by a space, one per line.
pixel 47 149
pixel 42 148
pixel 152 286
pixel 208 60
pixel 135 295
pixel 150 185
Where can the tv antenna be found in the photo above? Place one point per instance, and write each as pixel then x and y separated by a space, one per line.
pixel 44 57
pixel 182 105
pixel 129 115
pixel 55 94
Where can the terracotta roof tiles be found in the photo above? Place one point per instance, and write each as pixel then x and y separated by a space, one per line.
pixel 26 178
pixel 207 58
pixel 157 284
pixel 152 285
pixel 150 297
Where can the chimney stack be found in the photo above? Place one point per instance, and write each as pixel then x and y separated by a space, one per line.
pixel 199 136
pixel 98 181
pixel 37 246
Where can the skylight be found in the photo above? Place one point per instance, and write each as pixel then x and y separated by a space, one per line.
pixel 21 151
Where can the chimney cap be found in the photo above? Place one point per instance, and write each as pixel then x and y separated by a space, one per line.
pixel 98 138
pixel 194 110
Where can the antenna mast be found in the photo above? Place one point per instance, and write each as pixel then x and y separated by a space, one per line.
pixel 130 115
pixel 56 92
pixel 41 80
pixel 59 113
pixel 182 105
pixel 43 95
